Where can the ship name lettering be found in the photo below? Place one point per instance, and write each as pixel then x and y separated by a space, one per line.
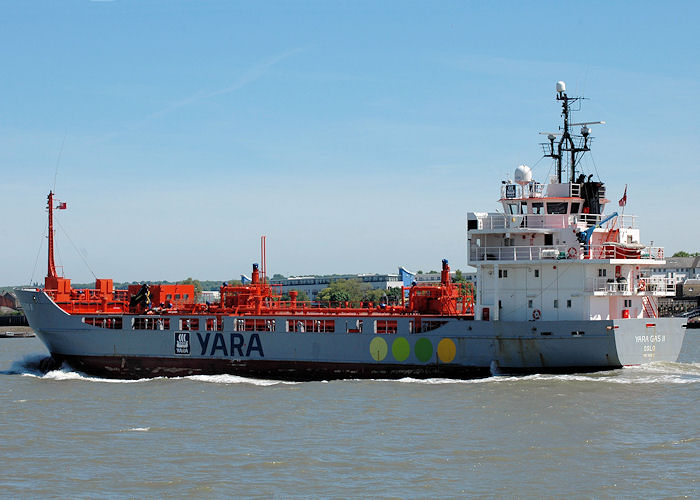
pixel 645 339
pixel 236 343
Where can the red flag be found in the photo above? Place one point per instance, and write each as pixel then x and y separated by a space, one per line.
pixel 62 206
pixel 623 200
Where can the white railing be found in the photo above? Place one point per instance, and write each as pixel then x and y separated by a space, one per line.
pixel 505 221
pixel 584 221
pixel 516 253
pixel 558 252
pixel 552 221
pixel 608 251
pixel 657 284
pixel 606 285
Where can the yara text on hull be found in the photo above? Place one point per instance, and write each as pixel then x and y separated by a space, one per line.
pixel 561 287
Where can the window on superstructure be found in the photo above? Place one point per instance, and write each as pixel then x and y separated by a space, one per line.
pixel 503 273
pixel 574 208
pixel 529 304
pixel 602 273
pixel 538 208
pixel 537 273
pixel 557 207
pixel 568 303
pixel 513 208
pixel 556 304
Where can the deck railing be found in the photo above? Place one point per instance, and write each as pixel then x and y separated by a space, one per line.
pixel 560 252
pixel 551 221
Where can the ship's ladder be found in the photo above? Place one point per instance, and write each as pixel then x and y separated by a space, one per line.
pixel 651 307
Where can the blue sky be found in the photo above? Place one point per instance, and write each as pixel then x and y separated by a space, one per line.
pixel 355 135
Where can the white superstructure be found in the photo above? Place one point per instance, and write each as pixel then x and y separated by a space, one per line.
pixel 552 254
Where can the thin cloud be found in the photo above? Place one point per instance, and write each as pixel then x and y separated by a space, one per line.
pixel 250 76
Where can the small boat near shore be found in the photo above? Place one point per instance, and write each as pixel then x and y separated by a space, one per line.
pixel 16 335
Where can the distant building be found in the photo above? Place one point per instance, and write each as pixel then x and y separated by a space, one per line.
pixel 8 300
pixel 435 277
pixel 210 296
pixel 312 285
pixel 691 288
pixel 678 268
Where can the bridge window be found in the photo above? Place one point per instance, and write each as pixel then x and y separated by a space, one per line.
pixel 538 208
pixel 557 207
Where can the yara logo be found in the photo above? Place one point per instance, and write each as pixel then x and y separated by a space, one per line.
pixel 182 343
pixel 236 345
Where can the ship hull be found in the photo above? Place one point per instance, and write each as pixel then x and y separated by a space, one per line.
pixel 455 348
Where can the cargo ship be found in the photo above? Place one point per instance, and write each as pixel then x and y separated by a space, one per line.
pixel 560 288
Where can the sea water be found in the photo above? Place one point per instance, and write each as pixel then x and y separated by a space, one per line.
pixel 632 433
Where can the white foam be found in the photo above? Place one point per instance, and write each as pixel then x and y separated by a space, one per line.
pixel 67 374
pixel 235 379
pixel 139 429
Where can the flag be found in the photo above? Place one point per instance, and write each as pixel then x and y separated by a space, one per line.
pixel 62 206
pixel 623 200
pixel 245 279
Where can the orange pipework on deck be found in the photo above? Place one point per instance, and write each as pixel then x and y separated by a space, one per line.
pixel 257 298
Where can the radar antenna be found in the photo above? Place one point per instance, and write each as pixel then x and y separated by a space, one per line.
pixel 570 147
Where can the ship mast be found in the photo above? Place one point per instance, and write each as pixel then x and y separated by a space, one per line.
pixel 51 273
pixel 570 146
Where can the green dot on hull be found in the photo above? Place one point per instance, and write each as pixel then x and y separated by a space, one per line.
pixel 423 350
pixel 400 349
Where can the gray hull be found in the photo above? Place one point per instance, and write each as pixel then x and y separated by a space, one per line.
pixel 458 348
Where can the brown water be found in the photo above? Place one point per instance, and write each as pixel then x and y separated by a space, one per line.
pixel 628 433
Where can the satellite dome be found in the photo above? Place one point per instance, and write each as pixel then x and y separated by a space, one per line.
pixel 523 175
pixel 561 86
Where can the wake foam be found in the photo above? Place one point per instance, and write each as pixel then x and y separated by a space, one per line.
pixel 235 379
pixel 652 373
pixel 28 365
